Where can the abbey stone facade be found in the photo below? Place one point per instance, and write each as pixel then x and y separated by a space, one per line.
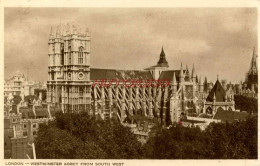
pixel 69 69
pixel 71 78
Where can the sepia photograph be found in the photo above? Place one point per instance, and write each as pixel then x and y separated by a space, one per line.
pixel 130 83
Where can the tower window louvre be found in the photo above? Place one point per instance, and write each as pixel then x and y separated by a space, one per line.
pixel 62 55
pixel 81 91
pixel 80 58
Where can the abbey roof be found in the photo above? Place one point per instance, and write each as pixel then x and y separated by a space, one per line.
pixel 98 74
pixel 168 75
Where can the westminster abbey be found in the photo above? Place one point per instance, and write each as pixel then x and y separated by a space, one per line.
pixel 71 78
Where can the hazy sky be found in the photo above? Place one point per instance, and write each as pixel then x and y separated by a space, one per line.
pixel 219 41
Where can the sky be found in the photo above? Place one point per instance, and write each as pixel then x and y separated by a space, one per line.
pixel 218 41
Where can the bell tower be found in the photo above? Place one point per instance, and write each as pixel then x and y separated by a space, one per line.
pixel 68 85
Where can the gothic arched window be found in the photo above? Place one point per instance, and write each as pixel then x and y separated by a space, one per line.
pixel 62 55
pixel 80 58
pixel 69 55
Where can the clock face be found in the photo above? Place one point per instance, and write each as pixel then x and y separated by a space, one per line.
pixel 69 76
pixel 81 76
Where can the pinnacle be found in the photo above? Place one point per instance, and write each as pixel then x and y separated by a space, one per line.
pixel 63 30
pixel 193 71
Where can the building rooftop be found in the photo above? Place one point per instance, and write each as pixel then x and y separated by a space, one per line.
pixel 218 92
pixel 230 116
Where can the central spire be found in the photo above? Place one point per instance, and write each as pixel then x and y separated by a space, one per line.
pixel 253 66
pixel 162 61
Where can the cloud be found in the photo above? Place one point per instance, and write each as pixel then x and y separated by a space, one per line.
pixel 217 40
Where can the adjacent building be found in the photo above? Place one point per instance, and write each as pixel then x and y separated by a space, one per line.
pixel 22 117
pixel 20 85
pixel 17 85
pixel 219 99
pixel 249 88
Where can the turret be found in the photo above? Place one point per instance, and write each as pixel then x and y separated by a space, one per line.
pixel 193 75
pixel 63 31
pixel 174 84
pixel 51 45
pixel 51 33
pixel 58 32
pixel 200 85
pixel 181 75
pixel 240 87
pixel 205 85
pixel 74 29
pixel 188 73
pixel 68 32
pixel 87 32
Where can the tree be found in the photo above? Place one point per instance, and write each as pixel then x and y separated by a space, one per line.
pixel 175 143
pixel 237 140
pixel 251 137
pixel 54 143
pixel 81 136
pixel 244 103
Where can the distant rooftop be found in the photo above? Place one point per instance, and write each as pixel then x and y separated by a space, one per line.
pixel 230 116
pixel 218 92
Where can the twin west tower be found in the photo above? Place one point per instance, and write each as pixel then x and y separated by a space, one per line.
pixel 68 85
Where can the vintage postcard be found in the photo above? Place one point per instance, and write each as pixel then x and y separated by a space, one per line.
pixel 112 86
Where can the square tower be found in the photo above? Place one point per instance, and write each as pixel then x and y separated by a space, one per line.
pixel 68 85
